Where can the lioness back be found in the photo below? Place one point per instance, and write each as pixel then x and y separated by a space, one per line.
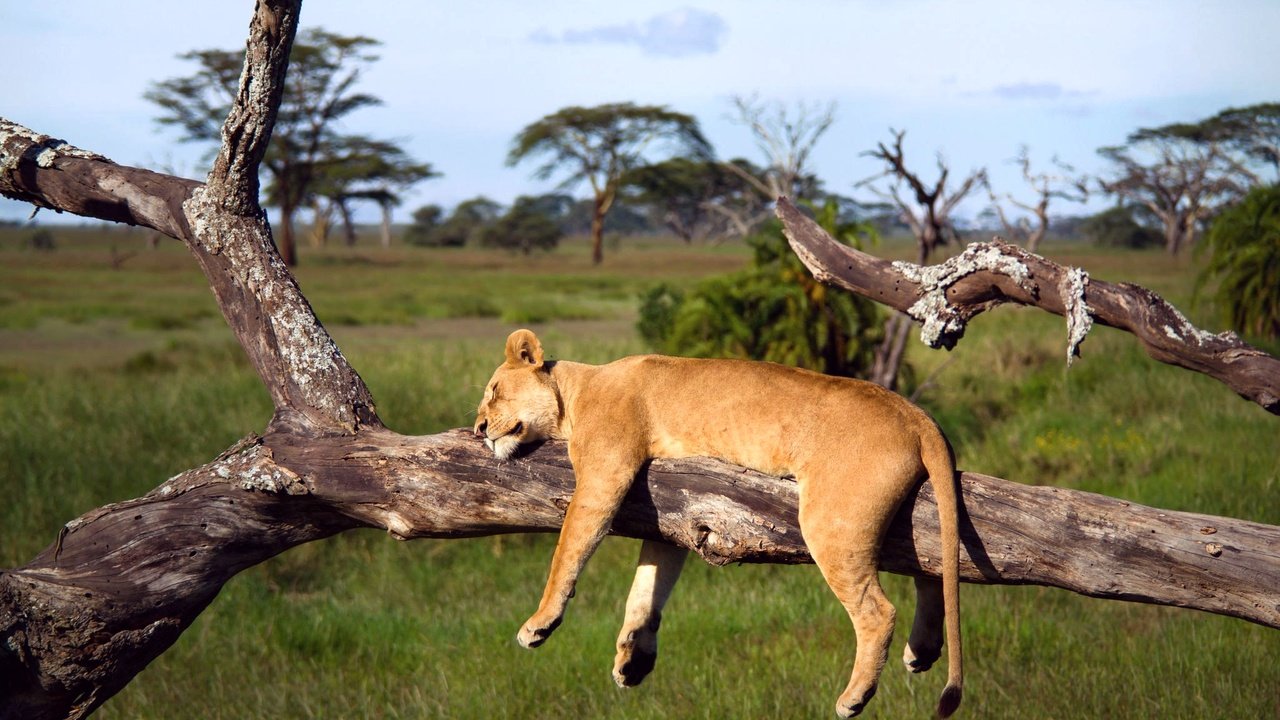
pixel 765 416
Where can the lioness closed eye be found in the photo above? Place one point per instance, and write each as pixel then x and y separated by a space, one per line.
pixel 855 449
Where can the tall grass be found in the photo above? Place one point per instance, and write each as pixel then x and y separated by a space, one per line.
pixel 363 626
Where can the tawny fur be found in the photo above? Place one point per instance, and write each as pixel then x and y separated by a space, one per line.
pixel 855 449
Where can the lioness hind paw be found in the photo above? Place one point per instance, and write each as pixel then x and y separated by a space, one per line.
pixel 918 663
pixel 632 671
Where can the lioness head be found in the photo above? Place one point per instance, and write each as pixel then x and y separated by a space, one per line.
pixel 520 404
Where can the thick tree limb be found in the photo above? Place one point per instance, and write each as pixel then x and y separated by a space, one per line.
pixel 944 297
pixel 123 581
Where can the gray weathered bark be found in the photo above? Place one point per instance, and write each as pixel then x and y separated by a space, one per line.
pixel 944 297
pixel 118 585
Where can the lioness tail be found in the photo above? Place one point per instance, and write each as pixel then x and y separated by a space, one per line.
pixel 940 463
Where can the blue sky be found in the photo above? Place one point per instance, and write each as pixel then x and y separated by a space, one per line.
pixel 970 80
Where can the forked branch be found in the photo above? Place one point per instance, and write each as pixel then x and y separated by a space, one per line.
pixel 944 297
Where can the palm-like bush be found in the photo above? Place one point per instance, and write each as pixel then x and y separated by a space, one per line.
pixel 1243 243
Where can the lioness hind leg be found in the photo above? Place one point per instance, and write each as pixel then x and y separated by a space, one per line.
pixel 924 646
pixel 852 577
pixel 656 574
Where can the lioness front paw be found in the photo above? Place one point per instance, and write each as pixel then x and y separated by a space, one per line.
pixel 847 707
pixel 531 637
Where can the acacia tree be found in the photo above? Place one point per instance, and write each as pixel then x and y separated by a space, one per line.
pixel 362 168
pixel 600 144
pixel 689 196
pixel 324 69
pixel 927 211
pixel 1178 173
pixel 118 585
pixel 1046 186
pixel 1253 131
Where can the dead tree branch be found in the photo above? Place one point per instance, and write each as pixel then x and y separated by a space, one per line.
pixel 123 581
pixel 945 297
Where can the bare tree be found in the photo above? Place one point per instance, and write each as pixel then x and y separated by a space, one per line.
pixel 1046 186
pixel 786 138
pixel 927 211
pixel 1180 176
pixel 119 584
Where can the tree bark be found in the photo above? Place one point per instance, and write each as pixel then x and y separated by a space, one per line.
pixel 598 210
pixel 944 297
pixel 119 584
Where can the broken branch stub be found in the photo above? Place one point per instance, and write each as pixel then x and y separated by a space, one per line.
pixel 946 296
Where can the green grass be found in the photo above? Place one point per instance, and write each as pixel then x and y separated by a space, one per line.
pixel 113 380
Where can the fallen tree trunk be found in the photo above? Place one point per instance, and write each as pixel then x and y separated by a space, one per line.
pixel 122 582
pixel 119 584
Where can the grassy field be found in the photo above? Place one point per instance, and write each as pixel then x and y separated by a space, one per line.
pixel 113 379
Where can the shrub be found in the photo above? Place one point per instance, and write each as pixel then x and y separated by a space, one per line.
pixel 1243 243
pixel 774 310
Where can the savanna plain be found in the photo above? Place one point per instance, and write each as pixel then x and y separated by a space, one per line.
pixel 117 372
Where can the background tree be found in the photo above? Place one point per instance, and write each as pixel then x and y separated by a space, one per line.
pixel 360 168
pixel 1178 172
pixel 425 220
pixel 786 138
pixel 1047 187
pixel 927 211
pixel 624 218
pixel 1116 227
pixel 464 224
pixel 600 144
pixel 324 69
pixel 1253 131
pixel 774 310
pixel 526 226
pixel 684 195
pixel 1243 244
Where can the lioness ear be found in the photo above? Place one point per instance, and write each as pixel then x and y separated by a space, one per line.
pixel 523 348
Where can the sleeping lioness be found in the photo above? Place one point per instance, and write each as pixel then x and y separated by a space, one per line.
pixel 855 449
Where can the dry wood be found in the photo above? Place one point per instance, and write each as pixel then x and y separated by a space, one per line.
pixel 944 297
pixel 123 581
pixel 119 584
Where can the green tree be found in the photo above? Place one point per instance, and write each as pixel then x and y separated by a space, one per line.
pixel 1243 244
pixel 525 227
pixel 694 198
pixel 465 224
pixel 1253 131
pixel 324 69
pixel 1116 227
pixel 600 144
pixel 774 310
pixel 1181 175
pixel 359 168
pixel 425 220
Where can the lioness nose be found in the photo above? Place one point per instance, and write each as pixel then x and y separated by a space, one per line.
pixel 480 426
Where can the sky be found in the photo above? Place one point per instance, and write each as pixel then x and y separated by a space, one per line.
pixel 970 81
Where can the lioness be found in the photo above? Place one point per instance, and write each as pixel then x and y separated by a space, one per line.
pixel 855 449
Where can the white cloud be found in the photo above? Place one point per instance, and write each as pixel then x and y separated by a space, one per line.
pixel 678 33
